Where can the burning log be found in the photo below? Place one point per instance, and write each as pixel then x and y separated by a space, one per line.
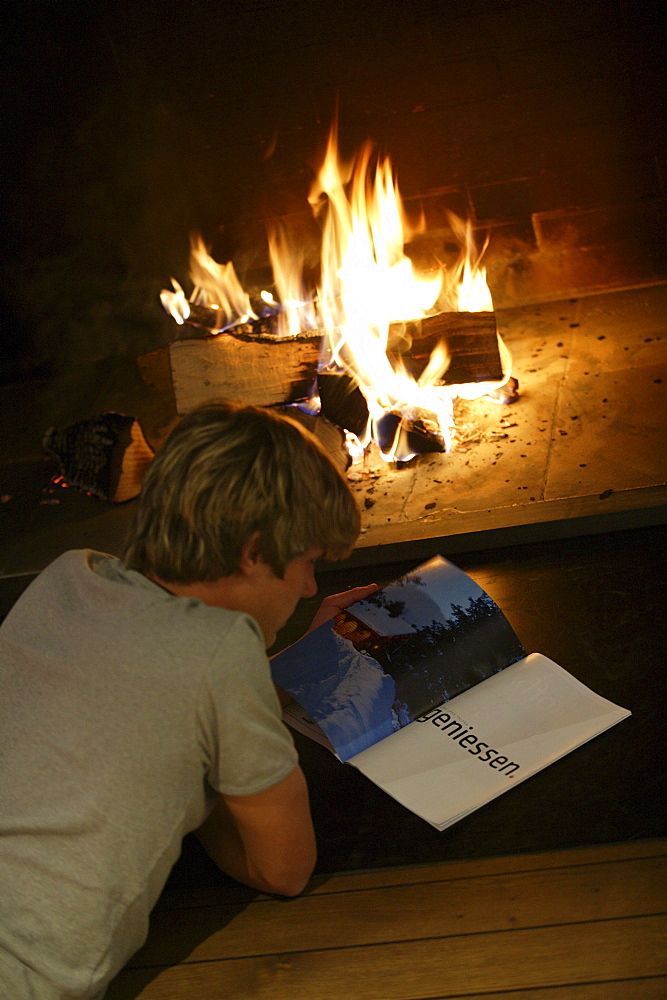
pixel 255 371
pixel 246 364
pixel 344 404
pixel 471 338
pixel 106 456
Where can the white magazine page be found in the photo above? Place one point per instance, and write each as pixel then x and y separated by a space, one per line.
pixel 487 740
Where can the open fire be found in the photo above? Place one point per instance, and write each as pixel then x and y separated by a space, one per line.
pixel 372 309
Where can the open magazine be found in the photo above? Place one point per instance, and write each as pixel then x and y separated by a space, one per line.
pixel 426 689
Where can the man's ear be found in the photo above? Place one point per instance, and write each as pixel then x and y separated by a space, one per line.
pixel 250 556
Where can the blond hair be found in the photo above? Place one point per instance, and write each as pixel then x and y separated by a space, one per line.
pixel 228 473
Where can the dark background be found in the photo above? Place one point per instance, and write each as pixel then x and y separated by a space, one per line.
pixel 128 125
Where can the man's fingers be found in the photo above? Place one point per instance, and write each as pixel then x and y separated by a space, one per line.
pixel 350 596
pixel 331 605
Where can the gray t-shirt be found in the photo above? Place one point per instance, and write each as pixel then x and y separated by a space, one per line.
pixel 123 709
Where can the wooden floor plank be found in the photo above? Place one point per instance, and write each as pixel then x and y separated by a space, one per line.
pixel 654 988
pixel 402 912
pixel 453 931
pixel 473 963
pixel 469 868
pixel 625 989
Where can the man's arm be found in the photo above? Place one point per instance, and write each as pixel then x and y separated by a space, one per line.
pixel 265 840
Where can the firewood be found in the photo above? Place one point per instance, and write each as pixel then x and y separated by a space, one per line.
pixel 106 456
pixel 246 370
pixel 243 364
pixel 210 320
pixel 470 338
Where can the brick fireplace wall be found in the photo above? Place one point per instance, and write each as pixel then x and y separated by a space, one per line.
pixel 129 125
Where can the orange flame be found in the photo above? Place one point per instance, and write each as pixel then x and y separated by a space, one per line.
pixel 216 286
pixel 368 283
pixel 175 302
pixel 298 312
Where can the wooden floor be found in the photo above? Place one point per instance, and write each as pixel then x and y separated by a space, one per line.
pixel 582 924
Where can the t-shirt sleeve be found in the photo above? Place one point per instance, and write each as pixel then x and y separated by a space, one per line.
pixel 246 746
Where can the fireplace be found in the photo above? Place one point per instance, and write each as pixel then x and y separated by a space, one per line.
pixel 580 450
pixel 538 122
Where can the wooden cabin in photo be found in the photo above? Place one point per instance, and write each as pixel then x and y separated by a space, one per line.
pixel 373 631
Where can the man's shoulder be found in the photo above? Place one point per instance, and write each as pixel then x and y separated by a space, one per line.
pixel 122 603
pixel 76 561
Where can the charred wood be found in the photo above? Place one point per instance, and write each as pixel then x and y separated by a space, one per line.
pixel 105 456
pixel 214 321
pixel 417 439
pixel 343 402
pixel 507 393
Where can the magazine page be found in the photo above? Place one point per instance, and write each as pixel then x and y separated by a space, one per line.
pixel 464 753
pixel 386 660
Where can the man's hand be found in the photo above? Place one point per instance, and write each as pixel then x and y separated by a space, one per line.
pixel 330 606
pixel 328 609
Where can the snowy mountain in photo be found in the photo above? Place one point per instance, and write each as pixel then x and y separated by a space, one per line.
pixel 349 696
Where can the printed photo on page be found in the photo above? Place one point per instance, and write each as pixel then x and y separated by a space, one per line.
pixel 385 661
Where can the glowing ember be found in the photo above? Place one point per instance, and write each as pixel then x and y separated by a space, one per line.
pixel 366 283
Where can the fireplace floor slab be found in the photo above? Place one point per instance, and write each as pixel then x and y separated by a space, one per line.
pixel 583 448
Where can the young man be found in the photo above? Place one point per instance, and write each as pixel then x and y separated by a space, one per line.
pixel 137 703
